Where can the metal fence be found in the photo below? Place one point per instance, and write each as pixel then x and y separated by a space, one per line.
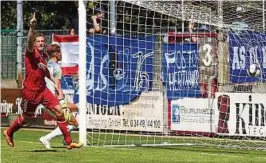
pixel 9 50
pixel 8 54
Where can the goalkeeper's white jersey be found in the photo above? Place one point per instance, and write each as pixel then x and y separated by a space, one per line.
pixel 56 72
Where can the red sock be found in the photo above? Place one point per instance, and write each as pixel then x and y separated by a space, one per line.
pixel 63 127
pixel 17 124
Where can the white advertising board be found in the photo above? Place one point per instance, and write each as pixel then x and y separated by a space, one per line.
pixel 144 114
pixel 191 114
pixel 240 114
pixel 69 94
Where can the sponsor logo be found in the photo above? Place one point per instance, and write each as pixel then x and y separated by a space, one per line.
pixel 255 122
pixel 175 114
pixel 243 88
pixel 6 107
pixel 50 123
pixel 103 110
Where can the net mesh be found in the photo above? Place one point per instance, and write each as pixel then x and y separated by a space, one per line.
pixel 175 73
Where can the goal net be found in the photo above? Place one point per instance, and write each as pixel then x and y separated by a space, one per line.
pixel 174 73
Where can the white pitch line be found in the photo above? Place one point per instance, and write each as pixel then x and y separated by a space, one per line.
pixel 210 154
pixel 225 155
pixel 21 141
pixel 230 155
pixel 261 158
pixel 129 149
pixel 28 142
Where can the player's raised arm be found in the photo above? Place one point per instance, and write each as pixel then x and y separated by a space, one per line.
pixel 96 26
pixel 95 21
pixel 30 38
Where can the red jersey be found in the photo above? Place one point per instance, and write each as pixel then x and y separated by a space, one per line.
pixel 34 76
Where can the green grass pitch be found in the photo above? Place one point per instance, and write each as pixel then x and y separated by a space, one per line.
pixel 28 150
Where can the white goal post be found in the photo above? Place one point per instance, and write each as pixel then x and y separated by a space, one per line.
pixel 166 73
pixel 82 73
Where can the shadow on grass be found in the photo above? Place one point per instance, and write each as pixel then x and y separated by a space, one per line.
pixel 62 147
pixel 44 150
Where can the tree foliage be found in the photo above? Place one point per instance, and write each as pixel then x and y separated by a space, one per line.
pixel 8 15
pixel 58 15
pixel 51 14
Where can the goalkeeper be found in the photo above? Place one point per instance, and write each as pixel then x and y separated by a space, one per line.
pixel 55 55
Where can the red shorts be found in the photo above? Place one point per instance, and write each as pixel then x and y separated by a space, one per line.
pixel 32 99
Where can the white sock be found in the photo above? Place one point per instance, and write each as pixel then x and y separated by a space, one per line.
pixel 56 132
pixel 71 127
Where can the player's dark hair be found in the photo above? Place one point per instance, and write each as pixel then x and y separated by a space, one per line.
pixel 52 48
pixel 70 30
pixel 98 10
pixel 38 35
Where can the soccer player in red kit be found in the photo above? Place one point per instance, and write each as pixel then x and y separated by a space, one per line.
pixel 34 90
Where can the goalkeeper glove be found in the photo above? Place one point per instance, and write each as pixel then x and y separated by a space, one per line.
pixel 67 112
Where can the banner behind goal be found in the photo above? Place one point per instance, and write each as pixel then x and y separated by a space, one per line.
pixel 173 73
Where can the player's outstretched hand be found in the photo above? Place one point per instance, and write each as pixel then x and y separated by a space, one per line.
pixel 33 21
pixel 94 17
